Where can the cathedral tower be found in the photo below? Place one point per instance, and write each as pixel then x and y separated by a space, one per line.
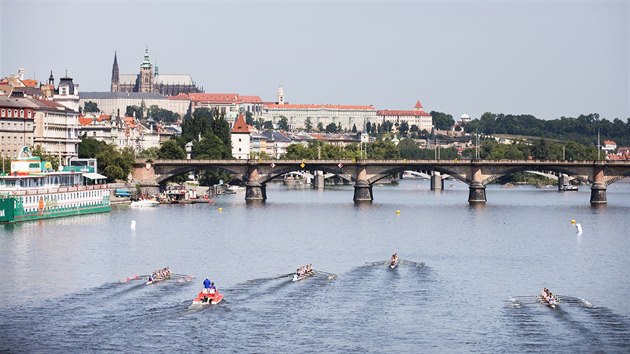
pixel 146 74
pixel 115 75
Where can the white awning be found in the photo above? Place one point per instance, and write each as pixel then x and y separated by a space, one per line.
pixel 94 176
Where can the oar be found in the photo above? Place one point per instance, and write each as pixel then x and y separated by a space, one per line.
pixel 133 277
pixel 330 275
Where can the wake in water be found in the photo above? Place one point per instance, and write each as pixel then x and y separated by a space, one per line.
pixel 576 324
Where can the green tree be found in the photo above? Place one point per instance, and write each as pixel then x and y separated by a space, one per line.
pixel 150 153
pixel 38 150
pixel 383 150
pixel 268 124
pixel 249 118
pixel 162 115
pixel 409 149
pixel 89 147
pixel 171 150
pixel 403 128
pixel 283 123
pixel 91 107
pixel 354 128
pixel 331 128
pixel 136 111
pixel 308 124
pixel 320 127
pixel 442 121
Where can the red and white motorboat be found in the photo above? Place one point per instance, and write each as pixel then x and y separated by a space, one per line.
pixel 204 298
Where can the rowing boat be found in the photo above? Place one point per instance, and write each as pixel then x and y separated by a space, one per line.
pixel 297 277
pixel 207 299
pixel 550 301
pixel 156 280
pixel 394 264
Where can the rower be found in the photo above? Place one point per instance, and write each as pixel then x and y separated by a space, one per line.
pixel 212 289
pixel 394 258
pixel 206 285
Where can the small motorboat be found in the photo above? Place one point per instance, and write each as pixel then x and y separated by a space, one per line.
pixel 204 298
pixel 143 203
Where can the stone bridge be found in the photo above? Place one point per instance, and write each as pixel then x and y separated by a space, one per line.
pixel 364 173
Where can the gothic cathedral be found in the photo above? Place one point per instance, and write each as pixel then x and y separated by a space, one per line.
pixel 150 81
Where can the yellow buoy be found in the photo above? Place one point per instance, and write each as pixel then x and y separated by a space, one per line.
pixel 220 209
pixel 398 212
pixel 573 221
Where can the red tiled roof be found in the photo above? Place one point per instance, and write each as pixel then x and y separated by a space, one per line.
pixel 103 117
pixel 52 104
pixel 415 113
pixel 609 142
pixel 418 105
pixel 29 83
pixel 84 121
pixel 240 126
pixel 319 106
pixel 215 97
pixel 181 96
pixel 251 99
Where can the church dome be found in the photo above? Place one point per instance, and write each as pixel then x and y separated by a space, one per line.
pixel 464 116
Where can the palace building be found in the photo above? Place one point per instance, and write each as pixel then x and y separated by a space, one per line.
pixel 149 80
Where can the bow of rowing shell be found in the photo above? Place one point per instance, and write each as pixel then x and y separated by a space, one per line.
pixel 364 173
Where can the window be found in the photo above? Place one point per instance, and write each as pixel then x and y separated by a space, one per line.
pixel 21 113
pixel 2 114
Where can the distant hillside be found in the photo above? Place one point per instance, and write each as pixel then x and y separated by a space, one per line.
pixel 582 129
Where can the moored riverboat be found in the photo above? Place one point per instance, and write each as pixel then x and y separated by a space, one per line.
pixel 33 191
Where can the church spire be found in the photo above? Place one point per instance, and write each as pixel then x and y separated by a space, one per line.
pixel 115 74
pixel 51 79
pixel 146 63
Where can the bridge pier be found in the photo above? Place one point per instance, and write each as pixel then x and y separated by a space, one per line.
pixel 598 189
pixel 476 193
pixel 362 191
pixel 318 180
pixel 563 179
pixel 255 191
pixel 437 183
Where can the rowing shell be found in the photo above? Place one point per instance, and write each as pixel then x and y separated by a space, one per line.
pixel 553 302
pixel 393 265
pixel 296 277
pixel 156 280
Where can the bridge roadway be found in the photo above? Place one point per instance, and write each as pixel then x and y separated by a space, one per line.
pixel 476 173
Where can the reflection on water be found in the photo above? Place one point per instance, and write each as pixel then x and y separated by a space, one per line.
pixel 61 291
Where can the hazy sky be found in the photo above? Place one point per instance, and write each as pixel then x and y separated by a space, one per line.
pixel 546 58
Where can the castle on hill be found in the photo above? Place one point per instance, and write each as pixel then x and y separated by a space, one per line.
pixel 149 80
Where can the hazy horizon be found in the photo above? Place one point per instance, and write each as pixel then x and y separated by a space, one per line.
pixel 548 59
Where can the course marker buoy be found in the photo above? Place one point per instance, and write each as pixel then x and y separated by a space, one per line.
pixel 397 212
pixel 220 209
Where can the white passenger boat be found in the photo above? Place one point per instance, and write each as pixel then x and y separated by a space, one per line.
pixel 32 190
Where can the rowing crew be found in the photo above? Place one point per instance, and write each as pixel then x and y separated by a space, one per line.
pixel 394 260
pixel 303 270
pixel 160 274
pixel 548 297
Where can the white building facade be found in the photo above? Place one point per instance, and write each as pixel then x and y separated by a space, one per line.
pixel 417 117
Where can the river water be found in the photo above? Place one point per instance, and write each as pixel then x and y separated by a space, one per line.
pixel 467 283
